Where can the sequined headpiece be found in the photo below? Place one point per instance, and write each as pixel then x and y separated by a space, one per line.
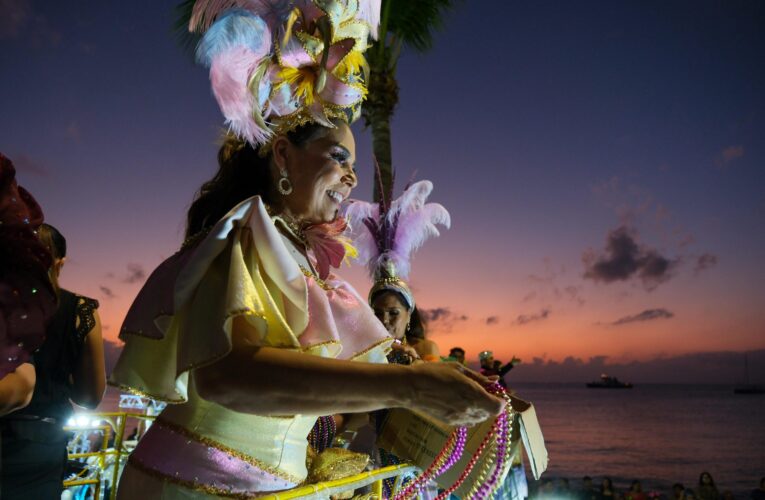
pixel 387 233
pixel 278 64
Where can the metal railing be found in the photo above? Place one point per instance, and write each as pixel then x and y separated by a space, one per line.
pixel 116 422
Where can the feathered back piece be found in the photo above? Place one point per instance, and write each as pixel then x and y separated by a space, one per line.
pixel 279 64
pixel 386 234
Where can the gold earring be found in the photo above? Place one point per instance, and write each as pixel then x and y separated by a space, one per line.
pixel 284 185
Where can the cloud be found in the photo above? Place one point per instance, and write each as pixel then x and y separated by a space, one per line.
pixel 18 21
pixel 492 320
pixel 524 319
pixel 442 318
pixel 107 292
pixel 647 315
pixel 624 258
pixel 24 163
pixel 728 155
pixel 695 368
pixel 136 273
pixel 547 286
pixel 14 16
pixel 704 262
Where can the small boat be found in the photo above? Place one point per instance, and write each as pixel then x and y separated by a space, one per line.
pixel 608 382
pixel 747 387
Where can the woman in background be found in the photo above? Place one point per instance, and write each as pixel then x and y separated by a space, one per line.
pixel 707 489
pixel 69 368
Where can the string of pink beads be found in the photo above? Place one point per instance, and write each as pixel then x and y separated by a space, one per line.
pixel 453 449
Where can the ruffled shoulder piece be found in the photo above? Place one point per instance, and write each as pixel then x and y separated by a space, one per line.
pixel 182 317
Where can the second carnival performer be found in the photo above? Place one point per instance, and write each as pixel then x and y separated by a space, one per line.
pixel 240 327
pixel 386 234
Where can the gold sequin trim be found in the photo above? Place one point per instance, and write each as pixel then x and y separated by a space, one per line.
pixel 320 344
pixel 139 392
pixel 373 346
pixel 205 488
pixel 222 447
pixel 322 284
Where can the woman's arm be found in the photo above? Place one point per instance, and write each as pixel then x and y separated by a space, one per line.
pixel 89 377
pixel 428 350
pixel 16 388
pixel 270 381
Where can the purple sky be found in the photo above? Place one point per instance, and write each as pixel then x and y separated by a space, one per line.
pixel 548 129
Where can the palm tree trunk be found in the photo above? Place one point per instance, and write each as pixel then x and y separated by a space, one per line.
pixel 378 111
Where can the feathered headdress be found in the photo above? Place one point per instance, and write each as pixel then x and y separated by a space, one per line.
pixel 279 64
pixel 387 233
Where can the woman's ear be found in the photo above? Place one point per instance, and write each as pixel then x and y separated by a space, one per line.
pixel 58 264
pixel 280 152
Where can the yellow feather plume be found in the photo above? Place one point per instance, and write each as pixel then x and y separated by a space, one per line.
pixel 302 80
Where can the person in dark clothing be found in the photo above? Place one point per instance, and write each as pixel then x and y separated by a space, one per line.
pixel 69 368
pixel 588 492
pixel 491 366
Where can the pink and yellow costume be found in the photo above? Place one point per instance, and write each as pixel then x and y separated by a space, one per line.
pixel 182 320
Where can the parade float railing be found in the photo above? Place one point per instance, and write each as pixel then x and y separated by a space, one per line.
pixel 110 459
pixel 349 484
pixel 106 423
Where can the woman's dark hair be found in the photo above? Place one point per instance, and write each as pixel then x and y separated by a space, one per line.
pixel 417 323
pixel 53 240
pixel 711 479
pixel 417 326
pixel 242 173
pixel 55 243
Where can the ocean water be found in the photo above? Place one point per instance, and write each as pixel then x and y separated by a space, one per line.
pixel 660 434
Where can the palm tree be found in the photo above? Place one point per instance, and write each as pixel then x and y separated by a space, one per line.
pixel 406 24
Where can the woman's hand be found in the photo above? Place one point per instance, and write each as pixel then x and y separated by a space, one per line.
pixel 406 349
pixel 452 393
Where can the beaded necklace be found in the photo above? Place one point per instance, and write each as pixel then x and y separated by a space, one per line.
pixel 496 443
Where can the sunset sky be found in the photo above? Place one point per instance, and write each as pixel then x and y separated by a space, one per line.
pixel 602 163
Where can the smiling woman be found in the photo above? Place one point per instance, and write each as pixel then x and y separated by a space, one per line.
pixel 299 194
pixel 238 327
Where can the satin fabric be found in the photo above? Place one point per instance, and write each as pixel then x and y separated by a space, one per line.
pixel 182 319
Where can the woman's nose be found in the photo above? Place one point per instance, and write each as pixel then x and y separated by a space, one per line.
pixel 349 178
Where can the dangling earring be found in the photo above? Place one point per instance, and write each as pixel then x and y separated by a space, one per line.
pixel 284 185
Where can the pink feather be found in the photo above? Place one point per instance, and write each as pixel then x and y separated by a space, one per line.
pixel 273 12
pixel 413 229
pixel 364 241
pixel 414 221
pixel 413 198
pixel 369 12
pixel 229 73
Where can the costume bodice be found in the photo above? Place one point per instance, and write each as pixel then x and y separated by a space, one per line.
pixel 242 268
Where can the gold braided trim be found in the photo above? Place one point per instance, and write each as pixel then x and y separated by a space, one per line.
pixel 225 449
pixel 320 344
pixel 322 284
pixel 138 392
pixel 192 485
pixel 373 346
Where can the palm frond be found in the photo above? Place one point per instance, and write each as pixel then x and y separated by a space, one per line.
pixel 187 40
pixel 414 22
